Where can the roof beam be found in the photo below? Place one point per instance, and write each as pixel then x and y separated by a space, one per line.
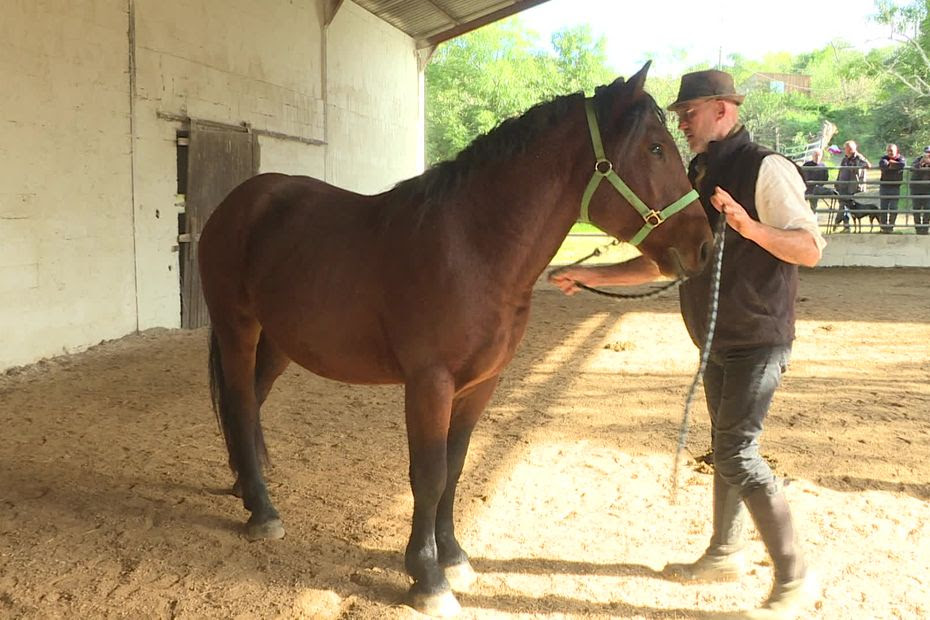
pixel 506 10
pixel 330 8
pixel 445 14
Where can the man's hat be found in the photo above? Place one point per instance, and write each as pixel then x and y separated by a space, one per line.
pixel 710 84
pixel 927 149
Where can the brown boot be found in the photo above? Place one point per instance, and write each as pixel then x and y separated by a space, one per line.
pixel 795 587
pixel 723 560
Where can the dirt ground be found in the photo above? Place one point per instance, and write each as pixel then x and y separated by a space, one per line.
pixel 113 479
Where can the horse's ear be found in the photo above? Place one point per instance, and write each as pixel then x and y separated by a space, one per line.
pixel 638 80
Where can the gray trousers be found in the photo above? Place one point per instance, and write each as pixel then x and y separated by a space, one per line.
pixel 739 385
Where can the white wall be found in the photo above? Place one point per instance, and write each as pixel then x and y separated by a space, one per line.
pixel 233 62
pixel 875 250
pixel 88 222
pixel 66 242
pixel 373 107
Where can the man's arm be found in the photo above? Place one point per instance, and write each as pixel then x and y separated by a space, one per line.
pixel 796 246
pixel 638 270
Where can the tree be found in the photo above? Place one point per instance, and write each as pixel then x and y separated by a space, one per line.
pixel 475 81
pixel 581 60
pixel 910 27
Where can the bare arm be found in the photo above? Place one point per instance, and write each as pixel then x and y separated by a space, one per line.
pixel 796 246
pixel 792 246
pixel 635 271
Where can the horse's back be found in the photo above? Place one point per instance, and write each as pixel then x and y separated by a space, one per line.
pixel 301 257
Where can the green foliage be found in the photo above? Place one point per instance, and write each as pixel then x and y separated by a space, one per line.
pixel 476 81
pixel 482 78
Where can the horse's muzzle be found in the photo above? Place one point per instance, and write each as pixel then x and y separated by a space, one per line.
pixel 684 268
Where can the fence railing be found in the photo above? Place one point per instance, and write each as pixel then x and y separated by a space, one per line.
pixel 911 212
pixel 890 206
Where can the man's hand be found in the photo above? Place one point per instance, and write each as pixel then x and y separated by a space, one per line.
pixel 566 278
pixel 736 215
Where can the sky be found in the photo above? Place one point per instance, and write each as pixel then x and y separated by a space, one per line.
pixel 678 33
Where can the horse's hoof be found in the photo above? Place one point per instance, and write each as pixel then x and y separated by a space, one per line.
pixel 441 605
pixel 460 576
pixel 273 529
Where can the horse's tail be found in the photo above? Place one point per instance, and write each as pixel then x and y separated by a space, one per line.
pixel 217 387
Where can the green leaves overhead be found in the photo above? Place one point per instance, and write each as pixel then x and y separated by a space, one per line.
pixel 482 78
pixel 478 80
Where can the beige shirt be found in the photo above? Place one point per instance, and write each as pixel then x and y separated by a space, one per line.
pixel 780 200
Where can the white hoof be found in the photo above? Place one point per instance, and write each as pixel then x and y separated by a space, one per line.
pixel 269 530
pixel 442 605
pixel 460 576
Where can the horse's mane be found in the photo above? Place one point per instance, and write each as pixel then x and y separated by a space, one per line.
pixel 509 139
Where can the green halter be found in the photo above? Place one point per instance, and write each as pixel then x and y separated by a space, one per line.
pixel 604 169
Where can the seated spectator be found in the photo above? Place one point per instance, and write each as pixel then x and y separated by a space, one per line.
pixel 815 174
pixel 892 164
pixel 920 190
pixel 850 181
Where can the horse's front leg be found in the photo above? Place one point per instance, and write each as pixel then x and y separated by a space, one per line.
pixel 428 407
pixel 465 413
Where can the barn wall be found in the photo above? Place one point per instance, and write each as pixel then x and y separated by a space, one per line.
pixel 88 204
pixel 66 242
pixel 226 61
pixel 866 250
pixel 374 116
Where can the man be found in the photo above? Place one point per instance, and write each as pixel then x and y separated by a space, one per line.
pixel 850 180
pixel 815 174
pixel 771 231
pixel 892 165
pixel 920 190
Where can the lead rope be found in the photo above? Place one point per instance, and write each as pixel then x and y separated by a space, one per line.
pixel 651 293
pixel 719 235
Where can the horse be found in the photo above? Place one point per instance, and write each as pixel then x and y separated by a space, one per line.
pixel 429 285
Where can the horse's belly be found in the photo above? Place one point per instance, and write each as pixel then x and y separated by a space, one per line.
pixel 348 368
pixel 350 359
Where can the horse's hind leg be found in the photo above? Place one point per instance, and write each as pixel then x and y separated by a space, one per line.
pixel 465 413
pixel 270 362
pixel 428 408
pixel 238 410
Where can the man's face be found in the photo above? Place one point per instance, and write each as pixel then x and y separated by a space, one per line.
pixel 697 121
pixel 892 150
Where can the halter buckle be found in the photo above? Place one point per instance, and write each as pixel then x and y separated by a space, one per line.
pixel 603 167
pixel 653 218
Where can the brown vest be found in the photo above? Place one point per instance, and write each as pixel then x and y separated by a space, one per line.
pixel 757 290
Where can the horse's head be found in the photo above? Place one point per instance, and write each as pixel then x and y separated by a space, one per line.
pixel 657 209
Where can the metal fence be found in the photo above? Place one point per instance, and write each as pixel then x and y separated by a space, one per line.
pixel 887 207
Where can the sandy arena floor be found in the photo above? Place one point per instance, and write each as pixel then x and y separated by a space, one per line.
pixel 113 479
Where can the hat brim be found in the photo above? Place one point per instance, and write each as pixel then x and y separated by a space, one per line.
pixel 678 105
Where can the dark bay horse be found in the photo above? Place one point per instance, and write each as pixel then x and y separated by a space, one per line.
pixel 428 285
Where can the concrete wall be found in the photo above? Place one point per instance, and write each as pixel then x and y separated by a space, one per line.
pixel 95 91
pixel 66 237
pixel 874 250
pixel 374 117
pixel 231 62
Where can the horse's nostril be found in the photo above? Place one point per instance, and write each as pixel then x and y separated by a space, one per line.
pixel 706 249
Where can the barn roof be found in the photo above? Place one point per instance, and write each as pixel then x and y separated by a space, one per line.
pixel 430 22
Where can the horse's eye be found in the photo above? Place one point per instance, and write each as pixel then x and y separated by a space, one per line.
pixel 656 149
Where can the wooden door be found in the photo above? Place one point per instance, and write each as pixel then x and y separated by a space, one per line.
pixel 218 159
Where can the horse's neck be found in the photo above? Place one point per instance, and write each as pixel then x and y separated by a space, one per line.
pixel 520 212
